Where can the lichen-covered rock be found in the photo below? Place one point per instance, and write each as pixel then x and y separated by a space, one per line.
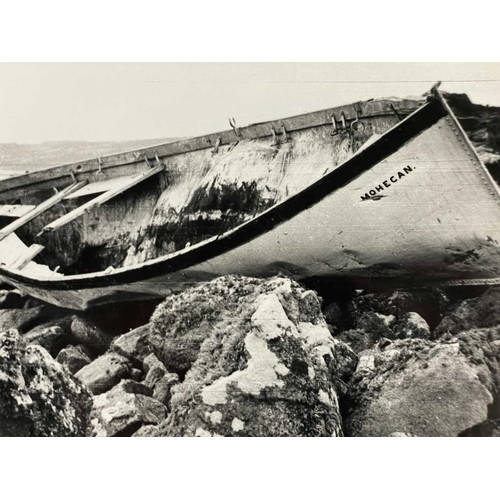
pixel 370 328
pixel 74 358
pixel 52 338
pixel 133 345
pixel 412 325
pixel 38 397
pixel 421 387
pixel 89 335
pixel 266 363
pixel 104 372
pixel 123 410
pixel 357 340
pixel 478 312
pixel 430 304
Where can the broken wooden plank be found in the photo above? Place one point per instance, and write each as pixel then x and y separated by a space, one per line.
pixel 15 211
pixel 44 206
pixel 101 186
pixel 99 200
pixel 26 258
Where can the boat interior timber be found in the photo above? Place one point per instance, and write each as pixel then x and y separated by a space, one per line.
pixel 382 190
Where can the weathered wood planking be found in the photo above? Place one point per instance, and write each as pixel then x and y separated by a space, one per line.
pixel 15 210
pixel 101 187
pixel 85 169
pixel 99 200
pixel 53 200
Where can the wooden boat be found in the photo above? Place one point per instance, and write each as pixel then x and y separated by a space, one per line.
pixel 383 191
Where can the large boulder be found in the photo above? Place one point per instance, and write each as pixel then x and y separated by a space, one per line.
pixel 478 312
pixel 104 372
pixel 265 363
pixel 123 410
pixel 423 388
pixel 38 397
pixel 74 358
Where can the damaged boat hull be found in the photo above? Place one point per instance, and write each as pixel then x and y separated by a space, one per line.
pixel 414 208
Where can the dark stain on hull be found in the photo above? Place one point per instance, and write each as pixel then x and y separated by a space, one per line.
pixel 210 212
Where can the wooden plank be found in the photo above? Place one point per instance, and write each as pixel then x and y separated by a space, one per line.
pixel 25 259
pixel 85 169
pixel 99 200
pixel 15 210
pixel 101 186
pixel 44 206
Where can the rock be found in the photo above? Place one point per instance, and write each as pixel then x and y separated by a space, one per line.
pixel 366 364
pixel 337 316
pixel 38 397
pixel 24 320
pixel 412 325
pixel 357 340
pixel 400 435
pixel 63 322
pixel 12 299
pixel 265 361
pixel 133 345
pixel 162 390
pixel 430 304
pixel 147 431
pixel 158 379
pixel 150 362
pixel 376 324
pixel 119 412
pixel 53 339
pixel 104 372
pixel 90 335
pixel 419 387
pixel 155 370
pixel 383 343
pixel 478 312
pixel 134 387
pixel 74 358
pixel 490 428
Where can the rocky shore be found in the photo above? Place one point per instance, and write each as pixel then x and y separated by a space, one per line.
pixel 251 357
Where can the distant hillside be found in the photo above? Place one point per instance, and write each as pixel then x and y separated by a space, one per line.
pixel 16 158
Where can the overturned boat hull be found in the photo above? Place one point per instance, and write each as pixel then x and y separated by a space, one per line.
pixel 413 207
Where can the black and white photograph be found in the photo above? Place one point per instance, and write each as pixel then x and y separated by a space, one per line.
pixel 250 249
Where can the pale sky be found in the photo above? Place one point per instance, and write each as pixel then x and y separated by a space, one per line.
pixel 125 101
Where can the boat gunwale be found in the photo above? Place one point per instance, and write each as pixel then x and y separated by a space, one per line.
pixel 85 168
pixel 388 143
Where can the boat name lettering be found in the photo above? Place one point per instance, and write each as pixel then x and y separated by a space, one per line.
pixel 387 183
